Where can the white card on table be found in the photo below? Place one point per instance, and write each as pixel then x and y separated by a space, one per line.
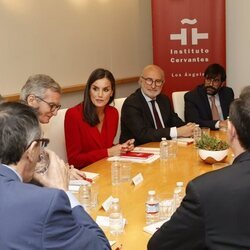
pixel 107 203
pixel 137 179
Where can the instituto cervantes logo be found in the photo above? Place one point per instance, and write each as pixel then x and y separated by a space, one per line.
pixel 191 52
pixel 194 33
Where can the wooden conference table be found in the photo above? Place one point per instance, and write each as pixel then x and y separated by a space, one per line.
pixel 159 176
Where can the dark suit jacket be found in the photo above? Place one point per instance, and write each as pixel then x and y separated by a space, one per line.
pixel 214 214
pixel 34 217
pixel 197 107
pixel 137 121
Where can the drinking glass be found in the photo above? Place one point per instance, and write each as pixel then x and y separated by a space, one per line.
pixel 125 171
pixel 172 148
pixel 43 164
pixel 166 205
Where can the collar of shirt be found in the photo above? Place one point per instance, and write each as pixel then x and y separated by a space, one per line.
pixel 12 169
pixel 148 99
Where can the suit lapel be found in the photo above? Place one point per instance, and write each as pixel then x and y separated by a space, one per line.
pixel 146 110
pixel 205 102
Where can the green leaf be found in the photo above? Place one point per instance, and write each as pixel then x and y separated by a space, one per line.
pixel 211 143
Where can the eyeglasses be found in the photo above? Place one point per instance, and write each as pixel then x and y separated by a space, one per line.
pixel 43 142
pixel 150 81
pixel 214 81
pixel 53 106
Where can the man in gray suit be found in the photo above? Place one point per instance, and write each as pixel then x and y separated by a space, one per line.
pixel 43 93
pixel 214 214
pixel 33 217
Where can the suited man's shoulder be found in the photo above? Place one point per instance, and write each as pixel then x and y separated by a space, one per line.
pixel 135 98
pixel 196 94
pixel 40 192
pixel 226 90
pixel 212 181
pixel 196 91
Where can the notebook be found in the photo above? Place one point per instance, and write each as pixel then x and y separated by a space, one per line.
pixel 135 154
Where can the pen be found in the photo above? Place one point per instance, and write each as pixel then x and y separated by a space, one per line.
pixel 88 179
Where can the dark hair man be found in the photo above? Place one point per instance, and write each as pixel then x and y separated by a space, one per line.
pixel 214 213
pixel 208 104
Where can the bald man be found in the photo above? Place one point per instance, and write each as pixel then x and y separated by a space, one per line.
pixel 147 115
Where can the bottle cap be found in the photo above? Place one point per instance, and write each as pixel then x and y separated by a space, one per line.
pixel 116 200
pixel 177 191
pixel 179 184
pixel 151 192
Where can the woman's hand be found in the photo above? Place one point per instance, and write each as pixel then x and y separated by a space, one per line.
pixel 128 145
pixel 76 174
pixel 121 148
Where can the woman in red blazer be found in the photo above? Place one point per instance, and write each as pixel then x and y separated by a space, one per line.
pixel 91 126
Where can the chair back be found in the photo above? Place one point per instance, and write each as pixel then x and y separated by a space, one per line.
pixel 118 105
pixel 178 103
pixel 54 130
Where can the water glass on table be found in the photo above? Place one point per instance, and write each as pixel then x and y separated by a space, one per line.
pixel 125 171
pixel 205 131
pixel 166 205
pixel 94 191
pixel 172 148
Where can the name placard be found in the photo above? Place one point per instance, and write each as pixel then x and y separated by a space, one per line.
pixel 137 179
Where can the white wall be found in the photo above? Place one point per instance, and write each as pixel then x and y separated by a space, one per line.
pixel 123 90
pixel 238 47
pixel 238 44
pixel 68 39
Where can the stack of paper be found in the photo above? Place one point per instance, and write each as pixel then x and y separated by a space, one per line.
pixel 152 228
pixel 150 159
pixel 74 185
pixel 147 150
pixel 184 140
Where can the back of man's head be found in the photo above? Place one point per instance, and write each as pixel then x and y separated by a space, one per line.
pixel 37 85
pixel 19 126
pixel 239 115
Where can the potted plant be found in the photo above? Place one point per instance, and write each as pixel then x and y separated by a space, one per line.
pixel 212 150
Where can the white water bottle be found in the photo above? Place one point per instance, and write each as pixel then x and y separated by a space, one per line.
pixel 196 134
pixel 163 149
pixel 152 208
pixel 176 199
pixel 180 191
pixel 115 217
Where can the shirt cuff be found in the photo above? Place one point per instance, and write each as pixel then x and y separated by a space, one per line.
pixel 217 124
pixel 73 201
pixel 173 132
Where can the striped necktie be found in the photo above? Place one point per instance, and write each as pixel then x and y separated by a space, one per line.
pixel 214 109
pixel 156 115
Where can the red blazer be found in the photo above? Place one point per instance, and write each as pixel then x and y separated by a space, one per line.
pixel 85 144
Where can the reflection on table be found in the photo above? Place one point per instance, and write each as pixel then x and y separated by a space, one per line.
pixel 159 176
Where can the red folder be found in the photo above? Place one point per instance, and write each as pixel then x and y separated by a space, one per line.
pixel 138 155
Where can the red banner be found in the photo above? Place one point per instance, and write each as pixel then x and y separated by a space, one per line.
pixel 188 35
